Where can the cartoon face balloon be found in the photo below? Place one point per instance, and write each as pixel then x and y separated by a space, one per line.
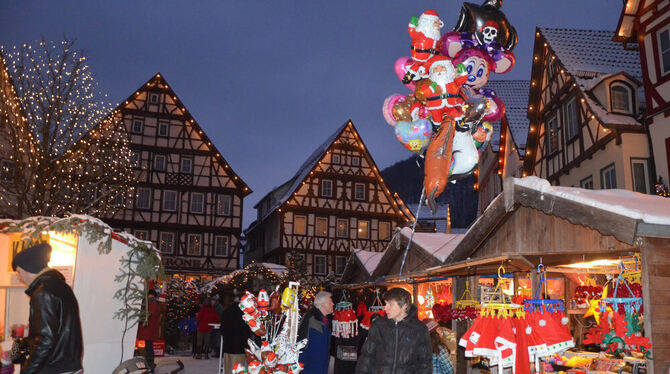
pixel 478 71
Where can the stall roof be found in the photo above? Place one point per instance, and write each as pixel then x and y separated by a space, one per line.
pixel 368 259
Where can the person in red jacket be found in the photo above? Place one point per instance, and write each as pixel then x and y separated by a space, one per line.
pixel 148 329
pixel 205 316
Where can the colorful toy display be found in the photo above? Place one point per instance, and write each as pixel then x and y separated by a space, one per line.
pixel 279 351
pixel 447 74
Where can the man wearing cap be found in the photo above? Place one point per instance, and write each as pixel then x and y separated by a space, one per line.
pixel 54 337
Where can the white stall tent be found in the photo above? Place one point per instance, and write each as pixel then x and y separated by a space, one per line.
pixel 92 277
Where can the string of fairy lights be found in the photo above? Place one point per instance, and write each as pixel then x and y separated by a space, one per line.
pixel 66 151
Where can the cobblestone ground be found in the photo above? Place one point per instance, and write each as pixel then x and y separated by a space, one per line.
pixel 165 365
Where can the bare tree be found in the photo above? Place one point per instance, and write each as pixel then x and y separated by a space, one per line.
pixel 63 149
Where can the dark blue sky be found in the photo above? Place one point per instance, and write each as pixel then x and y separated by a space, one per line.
pixel 270 80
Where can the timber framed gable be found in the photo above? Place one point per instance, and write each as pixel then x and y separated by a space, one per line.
pixel 570 112
pixel 188 200
pixel 336 202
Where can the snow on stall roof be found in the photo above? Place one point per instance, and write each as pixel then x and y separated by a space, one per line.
pixel 583 52
pixel 439 245
pixel 369 259
pixel 647 208
pixel 514 93
pixel 226 278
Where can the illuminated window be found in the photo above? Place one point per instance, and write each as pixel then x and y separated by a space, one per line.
pixel 194 244
pixel 342 228
pixel 221 246
pixel 166 243
pixel 321 226
pixel 363 229
pixel 223 203
pixel 300 225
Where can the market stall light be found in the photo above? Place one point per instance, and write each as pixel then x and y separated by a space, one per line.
pixel 63 249
pixel 592 264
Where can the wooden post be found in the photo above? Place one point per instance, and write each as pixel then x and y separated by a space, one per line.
pixel 655 259
pixel 461 364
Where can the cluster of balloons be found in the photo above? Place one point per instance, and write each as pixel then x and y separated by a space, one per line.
pixel 446 118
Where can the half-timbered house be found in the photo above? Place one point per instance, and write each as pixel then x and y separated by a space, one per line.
pixel 503 155
pixel 645 24
pixel 335 203
pixel 584 111
pixel 188 199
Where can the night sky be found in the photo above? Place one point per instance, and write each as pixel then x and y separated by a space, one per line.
pixel 270 80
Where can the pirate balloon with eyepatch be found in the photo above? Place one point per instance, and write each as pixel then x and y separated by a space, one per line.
pixel 488 23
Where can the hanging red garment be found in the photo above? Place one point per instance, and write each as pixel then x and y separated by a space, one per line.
pixel 471 337
pixel 505 342
pixel 522 359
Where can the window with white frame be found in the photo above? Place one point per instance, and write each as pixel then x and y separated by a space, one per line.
pixel 326 188
pixel 342 228
pixel 355 161
pixel 664 49
pixel 587 183
pixel 197 202
pixel 159 162
pixel 142 234
pixel 194 244
pixel 336 159
pixel 143 198
pixel 384 230
pixel 221 246
pixel 170 201
pixel 363 229
pixel 608 177
pixel 223 203
pixel 359 191
pixel 552 135
pixel 320 264
pixel 137 126
pixel 321 226
pixel 300 225
pixel 621 97
pixel 163 128
pixel 571 119
pixel 186 165
pixel 640 170
pixel 166 243
pixel 340 264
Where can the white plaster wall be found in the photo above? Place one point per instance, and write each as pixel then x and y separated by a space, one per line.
pixel 659 131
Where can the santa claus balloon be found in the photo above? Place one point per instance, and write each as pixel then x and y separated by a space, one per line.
pixel 425 34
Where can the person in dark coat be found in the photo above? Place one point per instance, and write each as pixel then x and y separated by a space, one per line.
pixel 398 343
pixel 148 330
pixel 315 326
pixel 55 343
pixel 235 334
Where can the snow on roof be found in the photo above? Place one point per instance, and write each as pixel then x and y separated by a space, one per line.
pixel 369 259
pixel 437 244
pixel 514 93
pixel 648 208
pixel 302 172
pixel 585 52
pixel 602 113
pixel 226 278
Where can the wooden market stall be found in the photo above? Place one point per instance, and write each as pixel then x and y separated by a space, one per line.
pixel 533 222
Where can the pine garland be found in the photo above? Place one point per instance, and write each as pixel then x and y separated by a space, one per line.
pixel 141 261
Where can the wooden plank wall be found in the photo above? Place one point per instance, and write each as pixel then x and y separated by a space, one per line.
pixel 655 256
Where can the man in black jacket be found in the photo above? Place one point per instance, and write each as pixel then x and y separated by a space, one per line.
pixel 54 338
pixel 235 334
pixel 398 343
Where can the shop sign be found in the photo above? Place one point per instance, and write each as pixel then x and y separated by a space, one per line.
pixel 182 263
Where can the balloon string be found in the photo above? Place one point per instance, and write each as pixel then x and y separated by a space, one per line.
pixel 416 219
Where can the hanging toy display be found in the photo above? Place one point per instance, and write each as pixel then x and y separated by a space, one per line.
pixel 466 308
pixel 345 323
pixel 280 350
pixel 375 309
pixel 620 328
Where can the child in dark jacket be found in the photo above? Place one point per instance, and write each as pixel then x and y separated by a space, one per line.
pixel 205 316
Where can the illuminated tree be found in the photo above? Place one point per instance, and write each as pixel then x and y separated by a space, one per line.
pixel 64 149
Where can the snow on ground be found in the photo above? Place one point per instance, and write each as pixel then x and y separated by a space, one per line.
pixel 165 365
